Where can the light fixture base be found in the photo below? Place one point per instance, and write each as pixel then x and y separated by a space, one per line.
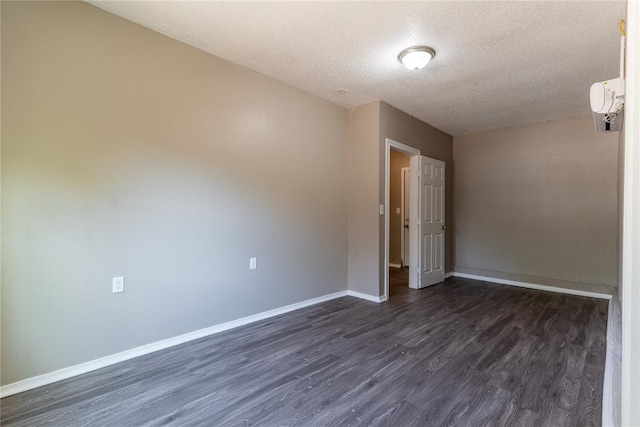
pixel 416 57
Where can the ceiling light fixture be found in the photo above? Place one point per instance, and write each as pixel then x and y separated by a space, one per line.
pixel 416 57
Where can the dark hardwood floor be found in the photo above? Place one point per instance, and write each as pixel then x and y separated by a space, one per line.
pixel 462 353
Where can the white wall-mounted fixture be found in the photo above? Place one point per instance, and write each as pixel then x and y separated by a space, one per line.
pixel 607 104
pixel 604 95
pixel 117 285
pixel 416 57
pixel 607 97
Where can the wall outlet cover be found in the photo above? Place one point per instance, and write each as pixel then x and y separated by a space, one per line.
pixel 118 285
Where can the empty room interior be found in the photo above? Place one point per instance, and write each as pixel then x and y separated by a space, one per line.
pixel 320 213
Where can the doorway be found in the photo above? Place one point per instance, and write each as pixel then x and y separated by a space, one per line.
pixel 399 197
pixel 426 182
pixel 397 254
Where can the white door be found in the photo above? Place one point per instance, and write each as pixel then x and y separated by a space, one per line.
pixel 406 196
pixel 431 222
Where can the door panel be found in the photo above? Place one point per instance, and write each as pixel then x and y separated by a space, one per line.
pixel 427 258
pixel 437 247
pixel 431 221
pixel 438 210
pixel 427 200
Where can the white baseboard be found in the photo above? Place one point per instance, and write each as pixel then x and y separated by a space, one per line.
pixel 608 419
pixel 62 374
pixel 394 265
pixel 367 297
pixel 533 286
pixel 611 388
pixel 72 371
pixel 447 275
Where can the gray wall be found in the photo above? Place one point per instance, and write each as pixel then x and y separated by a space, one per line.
pixel 364 123
pixel 538 204
pixel 401 127
pixel 396 163
pixel 127 153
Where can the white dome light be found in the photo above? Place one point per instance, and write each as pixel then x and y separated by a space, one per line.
pixel 416 57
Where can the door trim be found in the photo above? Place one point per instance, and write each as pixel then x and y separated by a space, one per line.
pixel 402 214
pixel 630 295
pixel 411 152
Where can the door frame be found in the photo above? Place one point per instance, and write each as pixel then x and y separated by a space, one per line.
pixel 402 213
pixel 411 152
pixel 630 280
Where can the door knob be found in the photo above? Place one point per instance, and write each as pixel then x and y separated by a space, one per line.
pixel 444 227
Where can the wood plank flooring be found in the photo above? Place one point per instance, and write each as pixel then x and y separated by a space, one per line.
pixel 463 353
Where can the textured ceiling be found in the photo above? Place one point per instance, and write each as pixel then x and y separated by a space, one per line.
pixel 497 64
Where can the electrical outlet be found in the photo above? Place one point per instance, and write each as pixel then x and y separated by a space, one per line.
pixel 118 285
pixel 253 263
